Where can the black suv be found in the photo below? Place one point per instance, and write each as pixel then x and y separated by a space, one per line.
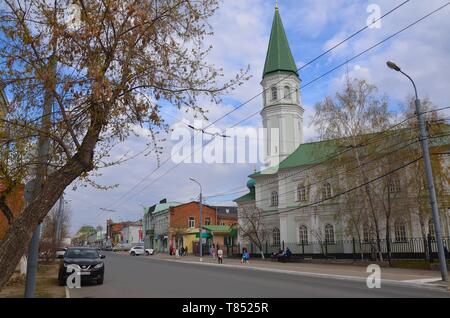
pixel 89 262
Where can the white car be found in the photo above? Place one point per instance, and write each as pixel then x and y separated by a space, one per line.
pixel 60 252
pixel 137 250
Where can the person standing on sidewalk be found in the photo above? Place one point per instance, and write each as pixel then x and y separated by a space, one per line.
pixel 219 255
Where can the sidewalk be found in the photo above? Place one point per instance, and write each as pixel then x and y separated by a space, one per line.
pixel 417 277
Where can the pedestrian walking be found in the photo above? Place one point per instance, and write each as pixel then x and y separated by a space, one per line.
pixel 186 250
pixel 245 256
pixel 213 251
pixel 219 255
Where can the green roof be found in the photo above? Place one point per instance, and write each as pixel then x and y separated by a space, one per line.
pixel 163 207
pixel 247 197
pixel 217 228
pixel 279 56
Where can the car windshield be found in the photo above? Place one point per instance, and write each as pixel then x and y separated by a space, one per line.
pixel 138 247
pixel 82 253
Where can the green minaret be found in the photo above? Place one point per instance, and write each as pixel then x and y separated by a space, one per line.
pixel 279 56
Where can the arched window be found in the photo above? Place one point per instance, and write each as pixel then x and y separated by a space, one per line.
pixel 276 236
pixel 287 92
pixel 326 190
pixel 329 234
pixel 367 233
pixel 431 230
pixel 394 184
pixel 303 234
pixel 400 231
pixel 274 198
pixel 274 93
pixel 301 193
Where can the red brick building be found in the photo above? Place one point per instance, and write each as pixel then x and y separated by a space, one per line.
pixel 15 202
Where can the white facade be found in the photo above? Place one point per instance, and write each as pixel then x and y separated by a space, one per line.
pixel 132 234
pixel 282 115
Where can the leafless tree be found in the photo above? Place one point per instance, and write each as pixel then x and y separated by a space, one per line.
pixel 115 61
pixel 251 227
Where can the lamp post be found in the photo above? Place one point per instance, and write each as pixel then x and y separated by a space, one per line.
pixel 429 175
pixel 200 226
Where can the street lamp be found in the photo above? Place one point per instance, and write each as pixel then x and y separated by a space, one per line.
pixel 200 226
pixel 429 175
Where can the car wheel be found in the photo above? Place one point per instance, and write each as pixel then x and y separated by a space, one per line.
pixel 147 253
pixel 100 281
pixel 133 254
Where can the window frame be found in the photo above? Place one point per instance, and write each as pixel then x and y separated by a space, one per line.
pixel 273 93
pixel 329 235
pixel 274 198
pixel 303 238
pixel 191 218
pixel 276 237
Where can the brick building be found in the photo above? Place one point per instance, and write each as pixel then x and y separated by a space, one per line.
pixel 15 202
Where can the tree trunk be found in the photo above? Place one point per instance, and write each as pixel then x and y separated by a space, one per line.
pixel 13 245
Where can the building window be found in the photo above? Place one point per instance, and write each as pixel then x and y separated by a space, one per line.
pixel 394 185
pixel 326 191
pixel 329 234
pixel 431 230
pixel 207 221
pixel 276 236
pixel 367 233
pixel 274 93
pixel 301 193
pixel 274 198
pixel 303 234
pixel 400 231
pixel 191 222
pixel 287 92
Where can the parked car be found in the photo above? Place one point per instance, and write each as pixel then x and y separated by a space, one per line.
pixel 149 251
pixel 87 259
pixel 121 247
pixel 60 252
pixel 137 250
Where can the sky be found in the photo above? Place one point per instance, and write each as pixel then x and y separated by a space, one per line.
pixel 241 35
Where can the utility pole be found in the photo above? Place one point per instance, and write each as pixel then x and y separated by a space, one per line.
pixel 41 174
pixel 59 218
pixel 201 212
pixel 429 175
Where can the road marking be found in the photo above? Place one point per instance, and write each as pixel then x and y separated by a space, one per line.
pixel 410 283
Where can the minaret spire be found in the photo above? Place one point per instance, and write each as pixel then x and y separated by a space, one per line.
pixel 276 5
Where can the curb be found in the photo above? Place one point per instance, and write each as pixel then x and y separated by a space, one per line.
pixel 411 283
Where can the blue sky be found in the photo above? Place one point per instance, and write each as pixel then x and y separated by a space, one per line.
pixel 242 30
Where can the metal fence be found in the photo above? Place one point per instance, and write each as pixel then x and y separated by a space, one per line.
pixel 413 249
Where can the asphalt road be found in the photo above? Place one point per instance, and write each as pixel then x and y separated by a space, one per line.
pixel 144 277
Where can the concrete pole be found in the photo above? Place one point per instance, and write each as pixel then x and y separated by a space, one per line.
pixel 201 218
pixel 201 226
pixel 431 189
pixel 41 173
pixel 59 219
pixel 429 175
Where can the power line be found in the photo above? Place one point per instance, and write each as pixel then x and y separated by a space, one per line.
pixel 349 190
pixel 309 83
pixel 373 139
pixel 253 98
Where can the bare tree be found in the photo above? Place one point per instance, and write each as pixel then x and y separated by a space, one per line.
pixel 351 119
pixel 115 61
pixel 49 240
pixel 251 227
